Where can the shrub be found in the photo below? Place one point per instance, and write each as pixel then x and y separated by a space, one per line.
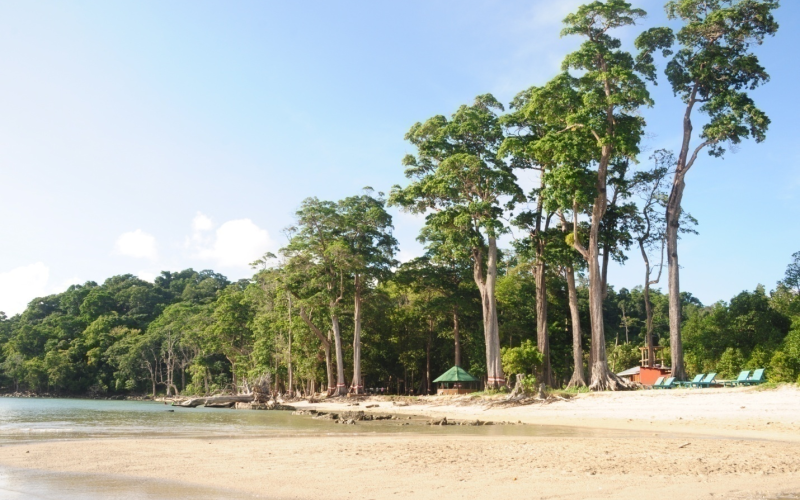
pixel 530 384
pixel 759 358
pixel 730 362
pixel 781 368
pixel 524 359
pixel 791 344
pixel 623 356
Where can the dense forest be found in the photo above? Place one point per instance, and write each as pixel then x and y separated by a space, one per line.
pixel 195 332
pixel 513 282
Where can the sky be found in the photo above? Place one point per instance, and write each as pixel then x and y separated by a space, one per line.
pixel 137 137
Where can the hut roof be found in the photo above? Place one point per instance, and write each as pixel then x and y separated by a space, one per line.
pixel 456 374
pixel 630 371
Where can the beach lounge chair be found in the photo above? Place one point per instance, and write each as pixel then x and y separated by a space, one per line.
pixel 708 380
pixel 742 378
pixel 757 378
pixel 669 383
pixel 696 380
pixel 657 385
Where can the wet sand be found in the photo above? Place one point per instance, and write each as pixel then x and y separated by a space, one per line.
pixel 718 454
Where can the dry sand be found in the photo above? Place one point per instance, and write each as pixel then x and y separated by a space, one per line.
pixel 749 448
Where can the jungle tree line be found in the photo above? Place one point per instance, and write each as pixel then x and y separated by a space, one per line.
pixel 597 196
pixel 197 333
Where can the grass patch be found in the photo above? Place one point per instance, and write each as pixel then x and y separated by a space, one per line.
pixel 490 392
pixel 571 391
pixel 768 386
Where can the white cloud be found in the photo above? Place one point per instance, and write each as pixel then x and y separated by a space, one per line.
pixel 137 244
pixel 235 243
pixel 21 285
pixel 147 276
pixel 202 223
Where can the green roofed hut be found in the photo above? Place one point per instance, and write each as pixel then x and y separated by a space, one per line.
pixel 456 380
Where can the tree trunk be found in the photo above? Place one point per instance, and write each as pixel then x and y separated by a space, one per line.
pixel 577 380
pixel 673 219
pixel 289 364
pixel 341 387
pixel 542 335
pixel 326 346
pixel 601 377
pixel 625 322
pixel 457 337
pixel 356 387
pixel 233 375
pixel 673 225
pixel 606 257
pixel 491 329
pixel 428 357
pixel 648 306
pixel 651 351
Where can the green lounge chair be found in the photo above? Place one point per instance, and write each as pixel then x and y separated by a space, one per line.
pixel 657 385
pixel 696 380
pixel 669 383
pixel 706 382
pixel 742 378
pixel 757 378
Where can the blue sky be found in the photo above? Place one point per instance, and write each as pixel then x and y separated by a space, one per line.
pixel 142 136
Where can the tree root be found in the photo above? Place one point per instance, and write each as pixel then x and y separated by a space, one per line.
pixel 577 380
pixel 604 379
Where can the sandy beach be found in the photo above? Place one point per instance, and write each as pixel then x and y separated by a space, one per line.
pixel 741 443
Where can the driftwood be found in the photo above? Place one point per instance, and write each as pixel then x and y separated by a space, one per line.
pixel 215 401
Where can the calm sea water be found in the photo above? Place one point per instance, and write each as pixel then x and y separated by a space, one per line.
pixel 24 420
pixel 27 419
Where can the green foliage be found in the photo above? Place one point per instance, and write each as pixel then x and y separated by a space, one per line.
pixel 730 363
pixel 623 356
pixel 530 384
pixel 792 277
pixel 714 65
pixel 525 359
pixel 782 368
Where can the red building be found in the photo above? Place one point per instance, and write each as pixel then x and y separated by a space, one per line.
pixel 647 373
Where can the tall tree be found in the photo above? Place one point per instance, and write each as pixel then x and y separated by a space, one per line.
pixel 569 262
pixel 464 187
pixel 367 233
pixel 317 259
pixel 650 231
pixel 527 125
pixel 230 332
pixel 713 66
pixel 612 93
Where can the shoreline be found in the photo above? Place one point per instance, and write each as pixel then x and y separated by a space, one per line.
pixel 745 413
pixel 742 444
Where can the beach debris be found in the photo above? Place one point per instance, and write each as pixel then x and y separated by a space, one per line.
pixel 271 405
pixel 372 406
pixel 684 445
pixel 214 401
